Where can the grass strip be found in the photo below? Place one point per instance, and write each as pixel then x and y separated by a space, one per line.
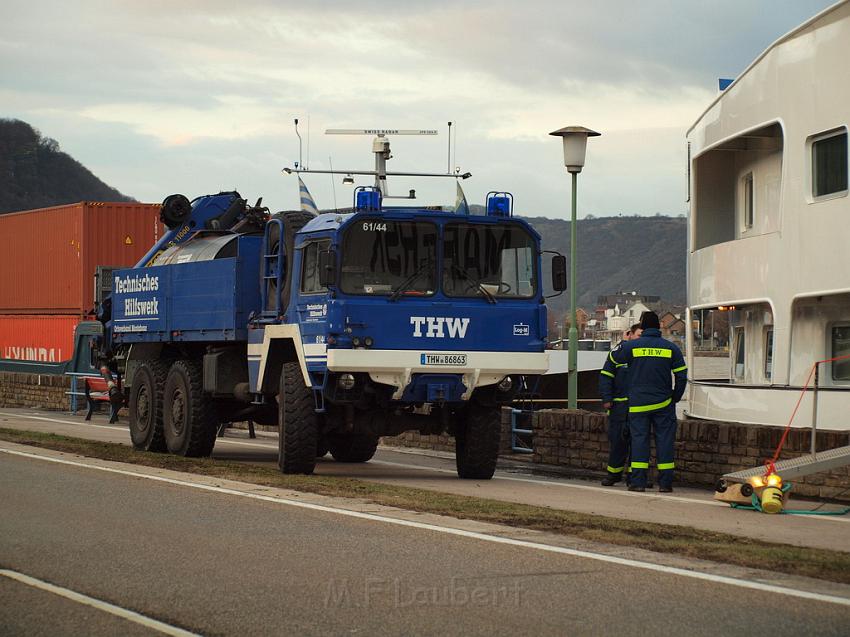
pixel 679 540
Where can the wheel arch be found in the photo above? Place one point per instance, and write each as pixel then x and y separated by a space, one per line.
pixel 281 344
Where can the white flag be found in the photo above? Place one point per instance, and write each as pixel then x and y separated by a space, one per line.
pixel 461 206
pixel 307 203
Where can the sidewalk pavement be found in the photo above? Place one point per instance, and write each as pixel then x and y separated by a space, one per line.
pixel 515 481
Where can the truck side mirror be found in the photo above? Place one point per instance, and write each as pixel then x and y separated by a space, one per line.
pixel 327 267
pixel 559 273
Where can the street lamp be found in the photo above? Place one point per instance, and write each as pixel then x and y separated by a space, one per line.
pixel 575 148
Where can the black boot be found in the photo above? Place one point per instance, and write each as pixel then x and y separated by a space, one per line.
pixel 610 480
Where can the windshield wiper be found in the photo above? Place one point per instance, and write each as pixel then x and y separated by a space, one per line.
pixel 476 282
pixel 404 285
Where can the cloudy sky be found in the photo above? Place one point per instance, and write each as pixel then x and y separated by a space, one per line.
pixel 193 96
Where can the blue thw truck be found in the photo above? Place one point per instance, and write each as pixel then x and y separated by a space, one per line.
pixel 339 328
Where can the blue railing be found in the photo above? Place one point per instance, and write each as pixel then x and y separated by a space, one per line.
pixel 522 437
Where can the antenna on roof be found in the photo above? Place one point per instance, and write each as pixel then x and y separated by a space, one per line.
pixel 381 149
pixel 449 158
pixel 300 159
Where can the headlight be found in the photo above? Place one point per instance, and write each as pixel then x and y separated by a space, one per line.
pixel 346 381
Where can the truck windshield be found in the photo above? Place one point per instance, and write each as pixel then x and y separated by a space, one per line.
pixel 489 261
pixel 382 256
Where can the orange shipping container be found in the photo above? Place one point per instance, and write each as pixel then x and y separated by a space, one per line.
pixel 30 337
pixel 49 256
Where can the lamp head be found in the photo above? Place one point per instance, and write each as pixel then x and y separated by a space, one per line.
pixel 575 145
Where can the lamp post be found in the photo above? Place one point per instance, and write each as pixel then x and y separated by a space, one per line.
pixel 575 148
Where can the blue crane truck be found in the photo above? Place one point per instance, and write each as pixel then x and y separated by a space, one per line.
pixel 339 327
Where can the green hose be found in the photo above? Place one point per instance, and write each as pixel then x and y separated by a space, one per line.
pixel 756 506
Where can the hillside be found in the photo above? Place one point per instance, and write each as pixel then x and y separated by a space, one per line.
pixel 646 254
pixel 35 173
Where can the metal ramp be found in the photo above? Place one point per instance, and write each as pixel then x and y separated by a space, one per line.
pixel 797 467
pixel 816 461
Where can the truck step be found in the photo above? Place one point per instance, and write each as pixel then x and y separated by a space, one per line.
pixel 799 467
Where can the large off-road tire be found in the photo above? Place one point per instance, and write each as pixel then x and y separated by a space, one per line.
pixel 298 425
pixel 146 402
pixel 477 442
pixel 190 421
pixel 293 221
pixel 322 447
pixel 353 447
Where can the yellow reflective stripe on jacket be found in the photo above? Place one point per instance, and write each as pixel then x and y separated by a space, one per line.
pixel 615 469
pixel 656 352
pixel 640 465
pixel 607 373
pixel 663 466
pixel 611 357
pixel 619 400
pixel 680 369
pixel 639 408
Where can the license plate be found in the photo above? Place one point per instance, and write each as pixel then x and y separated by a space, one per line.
pixel 456 360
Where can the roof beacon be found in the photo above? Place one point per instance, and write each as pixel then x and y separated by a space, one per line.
pixel 367 198
pixel 500 204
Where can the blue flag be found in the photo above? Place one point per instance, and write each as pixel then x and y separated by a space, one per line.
pixel 307 203
pixel 461 207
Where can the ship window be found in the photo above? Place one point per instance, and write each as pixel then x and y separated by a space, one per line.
pixel 739 353
pixel 768 353
pixel 310 267
pixel 841 347
pixel 829 164
pixel 748 201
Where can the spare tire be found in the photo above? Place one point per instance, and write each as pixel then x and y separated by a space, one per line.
pixel 293 221
pixel 175 210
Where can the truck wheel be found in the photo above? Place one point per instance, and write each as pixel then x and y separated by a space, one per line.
pixel 322 447
pixel 298 430
pixel 477 443
pixel 190 420
pixel 146 430
pixel 352 447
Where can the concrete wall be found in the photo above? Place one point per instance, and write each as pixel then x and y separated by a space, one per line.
pixel 705 449
pixel 42 391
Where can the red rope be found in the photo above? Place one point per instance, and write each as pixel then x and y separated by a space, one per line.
pixel 771 464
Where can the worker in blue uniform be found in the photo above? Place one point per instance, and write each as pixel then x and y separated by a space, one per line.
pixel 652 400
pixel 614 392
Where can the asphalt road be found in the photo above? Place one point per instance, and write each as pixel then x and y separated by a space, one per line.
pixel 690 507
pixel 218 563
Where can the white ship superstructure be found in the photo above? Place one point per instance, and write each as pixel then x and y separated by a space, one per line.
pixel 769 229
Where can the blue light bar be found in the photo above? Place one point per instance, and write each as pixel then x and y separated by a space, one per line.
pixel 366 198
pixel 500 204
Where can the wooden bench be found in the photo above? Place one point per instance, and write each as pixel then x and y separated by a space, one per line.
pixel 96 391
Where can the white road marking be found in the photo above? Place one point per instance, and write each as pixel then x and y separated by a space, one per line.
pixel 106 607
pixel 374 517
pixel 64 422
pixel 498 476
